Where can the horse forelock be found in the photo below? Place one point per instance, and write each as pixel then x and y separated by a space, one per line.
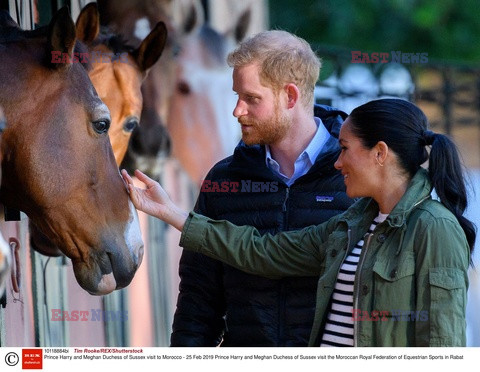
pixel 115 42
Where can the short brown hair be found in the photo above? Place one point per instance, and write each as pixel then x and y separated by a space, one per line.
pixel 283 58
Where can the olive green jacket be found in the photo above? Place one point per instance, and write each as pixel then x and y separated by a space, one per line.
pixel 411 281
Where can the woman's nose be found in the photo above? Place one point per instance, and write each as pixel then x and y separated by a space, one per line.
pixel 338 164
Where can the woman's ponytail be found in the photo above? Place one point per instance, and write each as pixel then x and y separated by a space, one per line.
pixel 446 173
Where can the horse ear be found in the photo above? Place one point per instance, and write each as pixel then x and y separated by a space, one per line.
pixel 242 25
pixel 61 36
pixel 151 47
pixel 190 16
pixel 6 20
pixel 88 23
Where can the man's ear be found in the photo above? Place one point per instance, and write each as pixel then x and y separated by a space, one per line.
pixel 293 94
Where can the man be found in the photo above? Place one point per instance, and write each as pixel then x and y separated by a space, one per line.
pixel 280 177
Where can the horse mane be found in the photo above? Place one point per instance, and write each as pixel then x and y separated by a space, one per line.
pixel 10 33
pixel 113 41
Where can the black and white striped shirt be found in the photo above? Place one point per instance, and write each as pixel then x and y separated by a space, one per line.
pixel 339 326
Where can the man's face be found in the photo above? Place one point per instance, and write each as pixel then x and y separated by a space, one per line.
pixel 259 109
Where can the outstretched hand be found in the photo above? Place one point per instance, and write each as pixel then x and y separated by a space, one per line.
pixel 154 201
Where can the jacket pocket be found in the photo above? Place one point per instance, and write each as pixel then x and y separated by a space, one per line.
pixel 448 297
pixel 394 285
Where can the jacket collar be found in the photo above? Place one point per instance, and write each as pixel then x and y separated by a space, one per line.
pixel 366 209
pixel 418 190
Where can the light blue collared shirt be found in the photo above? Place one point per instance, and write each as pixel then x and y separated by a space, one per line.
pixel 306 159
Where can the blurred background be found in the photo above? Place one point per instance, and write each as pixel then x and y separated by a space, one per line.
pixel 446 84
pixel 428 52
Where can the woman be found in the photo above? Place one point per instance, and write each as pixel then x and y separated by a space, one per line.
pixel 393 267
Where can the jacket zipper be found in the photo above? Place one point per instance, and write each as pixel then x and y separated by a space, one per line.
pixel 349 239
pixel 284 209
pixel 357 281
pixel 282 299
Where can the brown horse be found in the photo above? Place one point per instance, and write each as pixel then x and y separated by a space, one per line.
pixel 134 19
pixel 58 165
pixel 117 71
pixel 4 250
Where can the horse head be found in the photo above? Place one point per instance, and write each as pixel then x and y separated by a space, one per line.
pixel 58 165
pixel 134 19
pixel 200 120
pixel 118 71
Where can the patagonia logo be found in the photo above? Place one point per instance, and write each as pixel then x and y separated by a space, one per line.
pixel 324 199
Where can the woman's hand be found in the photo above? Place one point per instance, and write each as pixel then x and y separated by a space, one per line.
pixel 154 201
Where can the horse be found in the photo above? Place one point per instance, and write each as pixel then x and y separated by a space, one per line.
pixel 200 120
pixel 58 165
pixel 117 72
pixel 150 142
pixel 4 249
pixel 196 99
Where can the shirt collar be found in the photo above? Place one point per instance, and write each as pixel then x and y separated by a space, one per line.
pixel 312 150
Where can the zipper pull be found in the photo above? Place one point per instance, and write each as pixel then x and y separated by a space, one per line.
pixel 284 208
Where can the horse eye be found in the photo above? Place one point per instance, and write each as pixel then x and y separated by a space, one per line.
pixel 101 126
pixel 130 125
pixel 183 88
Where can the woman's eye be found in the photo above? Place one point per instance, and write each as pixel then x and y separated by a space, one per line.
pixel 101 126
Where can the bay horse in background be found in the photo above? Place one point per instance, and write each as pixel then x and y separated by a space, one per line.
pixel 116 71
pixel 118 80
pixel 4 249
pixel 58 166
pixel 149 145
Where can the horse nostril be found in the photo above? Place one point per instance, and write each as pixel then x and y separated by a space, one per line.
pixel 183 88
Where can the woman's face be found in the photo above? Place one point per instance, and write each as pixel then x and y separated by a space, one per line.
pixel 357 164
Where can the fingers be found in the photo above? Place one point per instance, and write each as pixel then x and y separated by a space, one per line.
pixel 126 177
pixel 144 178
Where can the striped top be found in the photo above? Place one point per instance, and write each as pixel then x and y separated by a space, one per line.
pixel 339 326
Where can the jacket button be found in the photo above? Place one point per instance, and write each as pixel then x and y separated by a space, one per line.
pixel 333 253
pixel 365 289
pixel 393 273
pixel 381 238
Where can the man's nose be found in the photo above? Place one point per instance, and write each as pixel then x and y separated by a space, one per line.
pixel 239 110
